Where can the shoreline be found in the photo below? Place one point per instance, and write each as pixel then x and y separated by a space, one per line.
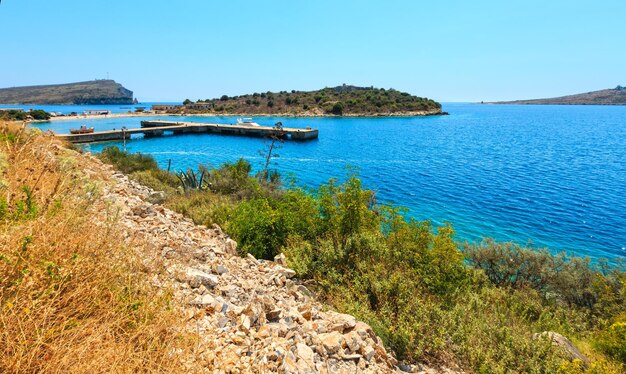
pixel 289 115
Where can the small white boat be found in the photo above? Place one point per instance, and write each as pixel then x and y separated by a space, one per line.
pixel 246 122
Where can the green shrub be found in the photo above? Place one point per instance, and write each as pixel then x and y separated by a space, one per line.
pixel 571 279
pixel 13 115
pixel 39 115
pixel 257 228
pixel 613 340
pixel 337 109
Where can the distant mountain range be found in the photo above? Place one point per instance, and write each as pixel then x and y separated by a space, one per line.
pixel 614 96
pixel 95 92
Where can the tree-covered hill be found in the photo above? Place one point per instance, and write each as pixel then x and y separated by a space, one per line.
pixel 341 100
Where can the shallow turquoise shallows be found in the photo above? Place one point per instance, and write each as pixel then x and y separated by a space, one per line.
pixel 554 175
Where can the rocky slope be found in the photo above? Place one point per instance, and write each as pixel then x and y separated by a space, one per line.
pixel 249 315
pixel 615 96
pixel 92 92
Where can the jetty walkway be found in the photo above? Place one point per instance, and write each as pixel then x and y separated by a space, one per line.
pixel 159 128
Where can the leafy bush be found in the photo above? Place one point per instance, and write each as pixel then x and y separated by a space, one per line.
pixel 569 278
pixel 13 115
pixel 39 115
pixel 337 109
pixel 613 340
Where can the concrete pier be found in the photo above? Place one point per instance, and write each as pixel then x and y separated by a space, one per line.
pixel 160 128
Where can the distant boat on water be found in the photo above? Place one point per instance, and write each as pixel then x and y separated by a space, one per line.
pixel 82 130
pixel 246 122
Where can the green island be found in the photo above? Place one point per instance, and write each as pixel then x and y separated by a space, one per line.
pixel 95 92
pixel 345 100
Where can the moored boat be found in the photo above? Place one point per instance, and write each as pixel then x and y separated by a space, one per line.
pixel 82 130
pixel 246 122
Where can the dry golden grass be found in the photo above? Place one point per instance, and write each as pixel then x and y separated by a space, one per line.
pixel 73 297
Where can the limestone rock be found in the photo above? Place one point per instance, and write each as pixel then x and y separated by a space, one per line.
pixel 368 352
pixel 280 259
pixel 306 358
pixel 197 278
pixel 561 341
pixel 332 342
pixel 231 247
pixel 157 197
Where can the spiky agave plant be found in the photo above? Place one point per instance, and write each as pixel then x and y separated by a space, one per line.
pixel 190 180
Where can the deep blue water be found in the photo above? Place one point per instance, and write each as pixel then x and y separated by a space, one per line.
pixel 554 175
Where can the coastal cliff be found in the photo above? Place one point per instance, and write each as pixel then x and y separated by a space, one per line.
pixel 96 92
pixel 614 96
pixel 345 100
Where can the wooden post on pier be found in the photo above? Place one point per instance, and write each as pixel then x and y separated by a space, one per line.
pixel 124 137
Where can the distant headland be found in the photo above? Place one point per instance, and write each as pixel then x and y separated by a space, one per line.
pixel 613 96
pixel 345 100
pixel 96 92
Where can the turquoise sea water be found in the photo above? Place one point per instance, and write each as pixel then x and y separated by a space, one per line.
pixel 554 175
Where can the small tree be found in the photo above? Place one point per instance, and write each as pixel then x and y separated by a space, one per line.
pixel 337 109
pixel 187 102
pixel 224 98
pixel 39 115
pixel 275 143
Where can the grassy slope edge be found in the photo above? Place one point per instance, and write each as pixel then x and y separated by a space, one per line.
pixel 73 295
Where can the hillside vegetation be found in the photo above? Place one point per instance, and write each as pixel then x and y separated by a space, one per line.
pixel 430 298
pixel 19 115
pixel 91 92
pixel 72 295
pixel 342 100
pixel 615 96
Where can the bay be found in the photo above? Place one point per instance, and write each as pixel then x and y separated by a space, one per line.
pixel 552 175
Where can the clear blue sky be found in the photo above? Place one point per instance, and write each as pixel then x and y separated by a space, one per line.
pixel 446 50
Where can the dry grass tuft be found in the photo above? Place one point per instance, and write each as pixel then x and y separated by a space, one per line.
pixel 73 297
